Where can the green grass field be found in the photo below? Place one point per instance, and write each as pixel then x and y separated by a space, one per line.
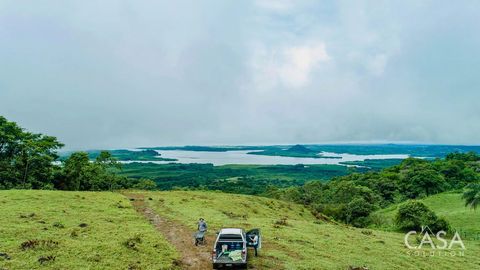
pixel 302 241
pixel 82 230
pixel 101 230
pixel 448 205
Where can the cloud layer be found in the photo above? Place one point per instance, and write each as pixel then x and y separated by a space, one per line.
pixel 140 73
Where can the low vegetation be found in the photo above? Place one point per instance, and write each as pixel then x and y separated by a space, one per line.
pixel 243 179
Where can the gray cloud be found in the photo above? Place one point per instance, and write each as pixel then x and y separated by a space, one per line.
pixel 138 73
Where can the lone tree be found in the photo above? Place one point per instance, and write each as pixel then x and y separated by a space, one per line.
pixel 472 195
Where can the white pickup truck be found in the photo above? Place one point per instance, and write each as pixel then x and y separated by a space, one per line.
pixel 230 249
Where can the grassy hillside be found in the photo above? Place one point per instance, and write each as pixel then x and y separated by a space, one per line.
pixel 82 230
pixel 101 230
pixel 294 239
pixel 448 205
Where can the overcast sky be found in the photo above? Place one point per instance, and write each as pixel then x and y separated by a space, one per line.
pixel 109 74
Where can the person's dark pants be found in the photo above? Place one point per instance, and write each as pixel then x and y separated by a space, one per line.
pixel 255 247
pixel 199 241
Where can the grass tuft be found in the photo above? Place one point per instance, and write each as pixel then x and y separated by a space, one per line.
pixel 35 243
pixel 46 259
pixel 31 215
pixel 133 242
pixel 58 224
pixel 281 222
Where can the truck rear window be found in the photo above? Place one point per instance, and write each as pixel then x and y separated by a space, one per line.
pixel 226 237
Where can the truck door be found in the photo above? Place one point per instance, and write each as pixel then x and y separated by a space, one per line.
pixel 249 241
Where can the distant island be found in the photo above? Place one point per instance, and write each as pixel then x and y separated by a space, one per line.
pixel 294 151
pixel 125 155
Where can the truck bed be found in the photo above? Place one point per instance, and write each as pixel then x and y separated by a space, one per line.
pixel 225 259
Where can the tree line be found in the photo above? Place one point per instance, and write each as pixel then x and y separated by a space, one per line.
pixel 30 161
pixel 353 198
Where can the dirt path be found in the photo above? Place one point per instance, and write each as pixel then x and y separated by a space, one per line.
pixel 180 236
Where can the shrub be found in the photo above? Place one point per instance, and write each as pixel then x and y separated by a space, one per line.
pixel 357 212
pixel 412 215
pixel 145 184
pixel 330 209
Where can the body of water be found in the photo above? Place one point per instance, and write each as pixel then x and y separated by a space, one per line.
pixel 241 157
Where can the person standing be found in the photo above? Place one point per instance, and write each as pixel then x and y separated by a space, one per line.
pixel 254 241
pixel 201 230
pixel 202 225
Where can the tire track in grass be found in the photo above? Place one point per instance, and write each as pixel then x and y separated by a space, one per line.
pixel 180 236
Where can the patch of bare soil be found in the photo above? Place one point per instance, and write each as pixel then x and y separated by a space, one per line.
pixel 180 236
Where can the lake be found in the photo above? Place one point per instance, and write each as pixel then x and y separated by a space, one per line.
pixel 241 157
